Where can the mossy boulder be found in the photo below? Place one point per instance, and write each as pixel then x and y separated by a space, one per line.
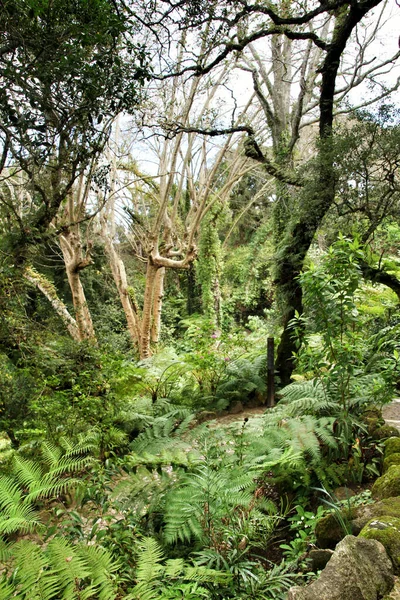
pixel 385 530
pixel 334 527
pixel 392 446
pixel 372 411
pixel 372 424
pixel 388 485
pixel 386 431
pixel 395 593
pixel 392 459
pixel 358 570
pixel 389 507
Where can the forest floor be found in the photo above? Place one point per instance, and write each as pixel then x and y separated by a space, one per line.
pixel 391 413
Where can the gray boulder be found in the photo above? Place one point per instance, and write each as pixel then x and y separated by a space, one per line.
pixel 358 570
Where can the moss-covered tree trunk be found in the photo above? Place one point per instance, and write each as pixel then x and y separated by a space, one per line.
pixel 316 203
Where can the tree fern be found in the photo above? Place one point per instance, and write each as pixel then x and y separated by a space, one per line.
pixel 203 498
pixel 243 376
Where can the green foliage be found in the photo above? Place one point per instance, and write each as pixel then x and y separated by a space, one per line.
pixel 172 580
pixel 204 505
pixel 209 265
pixel 302 525
pixel 30 483
pixel 59 571
pixel 246 282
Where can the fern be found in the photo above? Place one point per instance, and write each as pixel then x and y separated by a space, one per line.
pixel 306 397
pixel 203 498
pixel 243 376
pixel 157 577
pixel 16 514
pixel 61 571
pixel 30 483
pixel 165 431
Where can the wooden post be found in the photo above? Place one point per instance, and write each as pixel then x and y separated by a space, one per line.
pixel 270 373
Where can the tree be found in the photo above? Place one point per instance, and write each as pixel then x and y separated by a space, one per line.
pixel 66 69
pixel 309 35
pixel 166 211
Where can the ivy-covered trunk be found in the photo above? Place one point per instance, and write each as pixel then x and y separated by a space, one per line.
pixel 49 291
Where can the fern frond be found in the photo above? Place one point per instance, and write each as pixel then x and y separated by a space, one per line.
pixel 149 568
pixel 23 518
pixel 15 513
pixel 33 578
pixel 51 454
pixel 10 493
pixel 62 571
pixel 66 562
pixel 6 591
pixel 101 566
pixel 204 575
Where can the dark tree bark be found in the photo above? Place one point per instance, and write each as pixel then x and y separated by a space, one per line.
pixel 379 276
pixel 297 241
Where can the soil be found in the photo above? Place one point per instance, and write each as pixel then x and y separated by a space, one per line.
pixel 391 413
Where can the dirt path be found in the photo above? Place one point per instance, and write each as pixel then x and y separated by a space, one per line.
pixel 248 413
pixel 391 413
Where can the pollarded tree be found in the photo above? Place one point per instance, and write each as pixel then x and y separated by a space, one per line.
pixel 166 210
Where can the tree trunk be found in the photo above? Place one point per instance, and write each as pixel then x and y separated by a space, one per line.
pixel 314 207
pixel 50 293
pixel 128 304
pixel 71 249
pixel 148 303
pixel 82 313
pixel 157 305
pixel 377 275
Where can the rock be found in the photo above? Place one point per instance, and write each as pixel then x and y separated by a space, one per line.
pixel 392 446
pixel 372 424
pixel 372 412
pixel 358 570
pixel 392 459
pixel 343 493
pixel 386 431
pixel 329 530
pixel 387 531
pixel 388 485
pixel 236 408
pixel 395 593
pixel 319 558
pixel 389 507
